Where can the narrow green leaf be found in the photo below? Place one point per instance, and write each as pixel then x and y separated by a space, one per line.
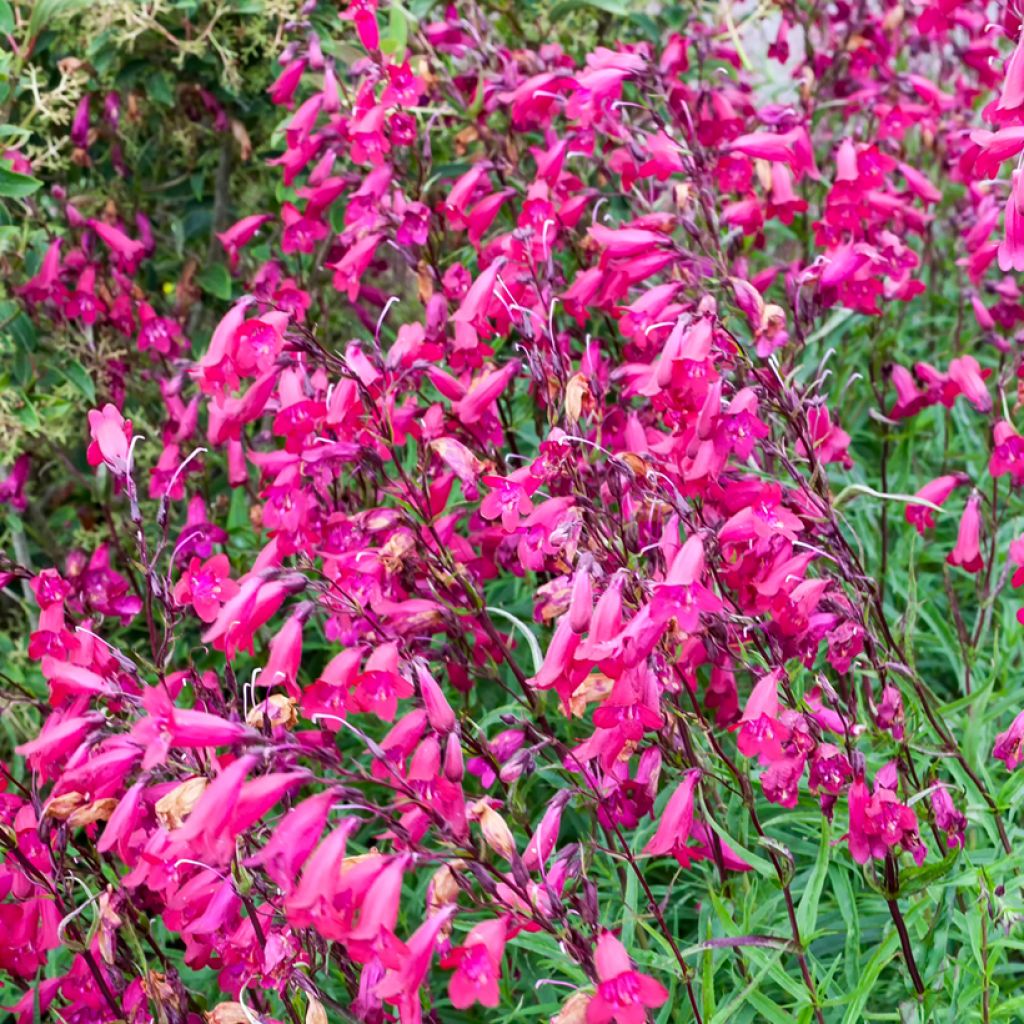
pixel 629 917
pixel 395 39
pixel 807 911
pixel 859 996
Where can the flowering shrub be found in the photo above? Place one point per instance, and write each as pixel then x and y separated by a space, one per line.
pixel 563 568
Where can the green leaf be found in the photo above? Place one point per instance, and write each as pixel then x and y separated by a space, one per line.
pixel 28 416
pixel 159 88
pixel 559 11
pixel 759 864
pixel 215 280
pixel 238 511
pixel 45 11
pixel 728 1012
pixel 913 880
pixel 629 917
pixel 807 911
pixel 6 17
pixel 767 1009
pixel 866 982
pixel 16 186
pixel 394 40
pixel 843 890
pixel 77 374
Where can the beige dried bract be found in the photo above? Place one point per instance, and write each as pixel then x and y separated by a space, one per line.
pixel 174 807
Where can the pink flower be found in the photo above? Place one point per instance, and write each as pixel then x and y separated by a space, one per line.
pixel 282 90
pixel 80 123
pixel 206 586
pixel 240 234
pixel 1010 106
pixel 965 373
pixel 363 14
pixel 439 711
pixel 477 964
pixel 508 498
pixel 623 994
pixel 761 733
pixel 683 596
pixel 1011 249
pixel 125 251
pixel 407 965
pixel 111 439
pixel 285 655
pixel 947 817
pixel 1009 745
pixel 1007 453
pixel 484 391
pixel 879 823
pixel 921 517
pixel 675 824
pixel 967 553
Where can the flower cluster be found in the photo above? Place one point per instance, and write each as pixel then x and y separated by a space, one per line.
pixel 546 594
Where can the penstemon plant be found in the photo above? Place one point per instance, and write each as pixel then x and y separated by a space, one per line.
pixel 569 576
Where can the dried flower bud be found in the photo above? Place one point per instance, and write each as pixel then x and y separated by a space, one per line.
pixel 174 807
pixel 494 828
pixel 106 936
pixel 574 1009
pixel 578 398
pixel 167 993
pixel 228 1013
pixel 443 889
pixel 60 808
pixel 98 810
pixel 278 709
pixel 315 1012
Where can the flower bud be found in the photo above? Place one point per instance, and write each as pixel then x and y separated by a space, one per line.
pixel 277 709
pixel 227 1013
pixel 574 1009
pixel 315 1012
pixel 443 889
pixel 581 601
pixel 578 398
pixel 453 763
pixel 439 711
pixel 495 830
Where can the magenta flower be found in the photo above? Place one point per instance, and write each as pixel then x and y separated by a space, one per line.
pixel 282 90
pixel 761 732
pixel 206 586
pixel 967 553
pixel 407 965
pixel 1009 745
pixel 921 517
pixel 508 498
pixel 880 823
pixel 80 123
pixel 126 252
pixel 623 995
pixel 674 827
pixel 1007 453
